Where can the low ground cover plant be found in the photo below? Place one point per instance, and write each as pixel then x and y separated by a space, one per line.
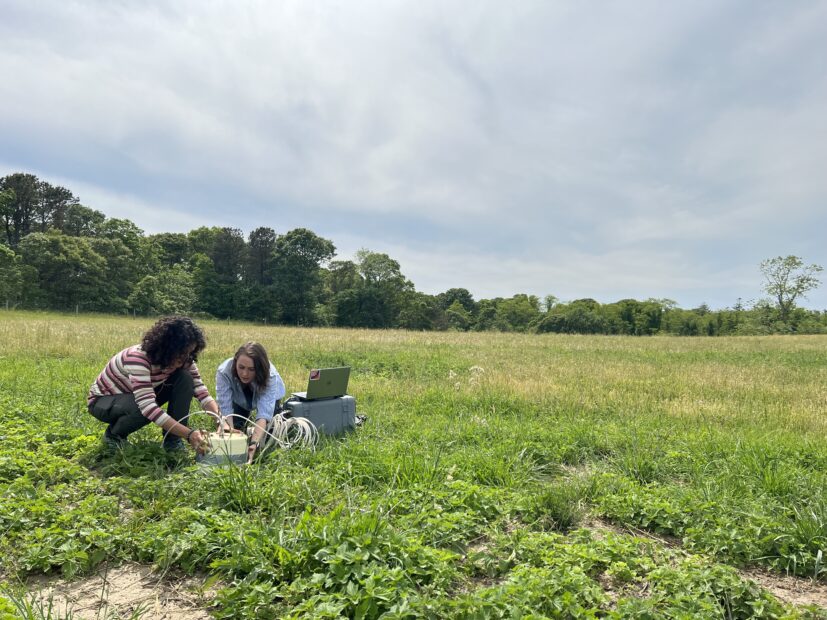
pixel 497 476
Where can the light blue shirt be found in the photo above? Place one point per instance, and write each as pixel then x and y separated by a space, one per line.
pixel 229 390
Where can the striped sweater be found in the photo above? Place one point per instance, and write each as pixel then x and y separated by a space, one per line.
pixel 130 372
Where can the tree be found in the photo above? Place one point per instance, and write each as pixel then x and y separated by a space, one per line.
pixel 297 260
pixel 517 313
pixel 384 284
pixel 6 210
pixel 169 292
pixel 145 254
pixel 549 301
pixel 342 275
pixel 217 264
pixel 31 205
pixel 125 230
pixel 80 221
pixel 19 204
pixel 575 318
pixel 338 277
pixel 171 248
pixel 229 255
pixel 256 297
pixel 202 240
pixel 69 271
pixel 639 318
pixel 11 277
pixel 461 295
pixel 422 312
pixel 786 279
pixel 360 307
pixel 372 292
pixel 458 317
pixel 486 314
pixel 52 205
pixel 261 243
pixel 120 274
pixel 208 297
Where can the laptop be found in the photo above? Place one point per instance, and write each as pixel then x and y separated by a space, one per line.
pixel 325 383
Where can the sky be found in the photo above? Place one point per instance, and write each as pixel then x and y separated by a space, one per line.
pixel 630 149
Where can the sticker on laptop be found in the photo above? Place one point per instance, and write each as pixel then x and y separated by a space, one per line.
pixel 315 375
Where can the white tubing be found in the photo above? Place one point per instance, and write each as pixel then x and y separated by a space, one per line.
pixel 287 432
pixel 290 432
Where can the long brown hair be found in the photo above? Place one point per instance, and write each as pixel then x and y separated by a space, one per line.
pixel 261 362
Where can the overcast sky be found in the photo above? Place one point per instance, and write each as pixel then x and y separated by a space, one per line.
pixel 581 149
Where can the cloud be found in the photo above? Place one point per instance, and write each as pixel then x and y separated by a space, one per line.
pixel 151 217
pixel 683 137
pixel 566 273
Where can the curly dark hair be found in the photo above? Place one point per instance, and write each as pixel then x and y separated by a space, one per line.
pixel 171 337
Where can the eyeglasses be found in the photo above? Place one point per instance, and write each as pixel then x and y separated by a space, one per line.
pixel 185 359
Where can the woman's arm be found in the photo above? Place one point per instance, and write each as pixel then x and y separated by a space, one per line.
pixel 193 436
pixel 269 396
pixel 224 395
pixel 257 439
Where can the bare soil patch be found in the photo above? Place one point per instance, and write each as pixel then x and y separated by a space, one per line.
pixel 798 591
pixel 120 592
pixel 598 525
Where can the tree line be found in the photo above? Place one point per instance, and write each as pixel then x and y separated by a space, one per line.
pixel 58 254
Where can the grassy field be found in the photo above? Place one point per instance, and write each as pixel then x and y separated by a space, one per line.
pixel 497 476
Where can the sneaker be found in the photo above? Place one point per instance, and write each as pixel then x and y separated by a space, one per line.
pixel 174 444
pixel 113 442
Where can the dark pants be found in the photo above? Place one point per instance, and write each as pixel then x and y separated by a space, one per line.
pixel 123 416
pixel 242 416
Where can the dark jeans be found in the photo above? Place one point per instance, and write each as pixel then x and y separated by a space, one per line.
pixel 242 416
pixel 123 416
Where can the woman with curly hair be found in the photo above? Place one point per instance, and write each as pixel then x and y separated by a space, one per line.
pixel 245 382
pixel 129 392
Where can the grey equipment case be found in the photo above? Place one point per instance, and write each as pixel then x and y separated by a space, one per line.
pixel 331 416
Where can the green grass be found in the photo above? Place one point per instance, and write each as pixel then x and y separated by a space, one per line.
pixel 471 491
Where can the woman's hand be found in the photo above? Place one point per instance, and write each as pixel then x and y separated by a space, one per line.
pixel 198 442
pixel 251 451
pixel 225 427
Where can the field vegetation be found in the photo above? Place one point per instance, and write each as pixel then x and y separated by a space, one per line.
pixel 497 476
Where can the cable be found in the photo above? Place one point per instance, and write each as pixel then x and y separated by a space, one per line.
pixel 287 432
pixel 293 431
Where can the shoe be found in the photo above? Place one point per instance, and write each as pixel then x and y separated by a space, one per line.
pixel 113 442
pixel 174 444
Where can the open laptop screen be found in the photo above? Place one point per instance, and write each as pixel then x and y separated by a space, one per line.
pixel 326 383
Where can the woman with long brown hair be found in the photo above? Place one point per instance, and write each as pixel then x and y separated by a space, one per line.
pixel 245 382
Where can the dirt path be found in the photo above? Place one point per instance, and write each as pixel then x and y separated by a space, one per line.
pixel 799 591
pixel 124 590
pixel 796 590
